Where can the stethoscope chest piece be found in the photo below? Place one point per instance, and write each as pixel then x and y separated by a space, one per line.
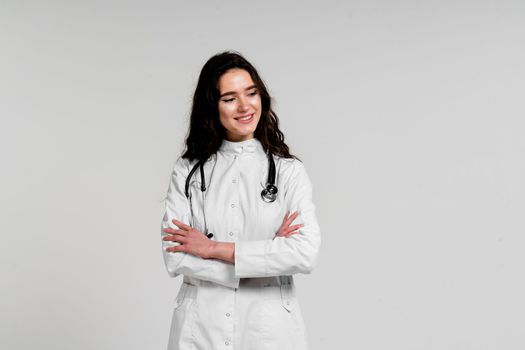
pixel 269 194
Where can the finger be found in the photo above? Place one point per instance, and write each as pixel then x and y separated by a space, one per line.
pixel 181 225
pixel 289 230
pixel 291 233
pixel 294 228
pixel 286 216
pixel 175 238
pixel 291 218
pixel 173 231
pixel 283 224
pixel 294 215
pixel 178 248
pixel 286 234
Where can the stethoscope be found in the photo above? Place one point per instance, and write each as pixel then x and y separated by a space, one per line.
pixel 269 194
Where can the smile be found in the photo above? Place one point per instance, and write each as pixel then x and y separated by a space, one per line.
pixel 246 119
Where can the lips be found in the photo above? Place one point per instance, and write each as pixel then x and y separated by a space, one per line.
pixel 245 119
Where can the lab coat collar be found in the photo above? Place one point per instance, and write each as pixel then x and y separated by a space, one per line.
pixel 241 147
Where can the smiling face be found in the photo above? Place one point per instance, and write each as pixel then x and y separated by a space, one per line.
pixel 239 104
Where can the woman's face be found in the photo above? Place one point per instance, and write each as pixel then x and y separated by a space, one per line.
pixel 239 104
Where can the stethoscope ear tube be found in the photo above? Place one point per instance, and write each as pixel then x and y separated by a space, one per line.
pixel 199 164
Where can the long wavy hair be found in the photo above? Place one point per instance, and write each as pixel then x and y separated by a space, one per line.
pixel 206 132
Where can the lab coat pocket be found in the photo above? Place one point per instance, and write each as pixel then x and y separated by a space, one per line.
pixel 280 325
pixel 182 319
pixel 296 329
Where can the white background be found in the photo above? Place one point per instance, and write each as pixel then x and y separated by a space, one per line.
pixel 408 116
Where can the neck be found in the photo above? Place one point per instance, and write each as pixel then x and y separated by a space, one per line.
pixel 239 138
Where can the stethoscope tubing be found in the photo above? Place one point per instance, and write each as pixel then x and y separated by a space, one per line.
pixel 268 195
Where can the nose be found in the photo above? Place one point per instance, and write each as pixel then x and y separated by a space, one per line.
pixel 243 104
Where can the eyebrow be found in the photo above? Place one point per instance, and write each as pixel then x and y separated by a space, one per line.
pixel 233 92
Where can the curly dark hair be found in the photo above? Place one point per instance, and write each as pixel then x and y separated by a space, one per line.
pixel 206 132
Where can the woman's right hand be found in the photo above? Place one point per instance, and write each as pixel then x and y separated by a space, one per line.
pixel 286 230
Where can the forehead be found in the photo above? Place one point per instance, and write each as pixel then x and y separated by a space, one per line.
pixel 235 79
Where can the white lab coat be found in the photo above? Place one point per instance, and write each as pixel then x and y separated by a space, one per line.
pixel 249 305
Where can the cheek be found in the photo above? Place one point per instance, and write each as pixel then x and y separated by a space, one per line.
pixel 258 118
pixel 225 122
pixel 258 103
pixel 226 111
pixel 225 115
pixel 257 106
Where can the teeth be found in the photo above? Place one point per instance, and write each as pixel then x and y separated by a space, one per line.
pixel 245 118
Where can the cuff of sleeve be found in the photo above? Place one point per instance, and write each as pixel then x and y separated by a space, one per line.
pixel 250 259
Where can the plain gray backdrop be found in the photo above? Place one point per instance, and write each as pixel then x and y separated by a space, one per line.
pixel 408 116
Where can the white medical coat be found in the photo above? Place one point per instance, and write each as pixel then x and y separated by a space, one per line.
pixel 249 305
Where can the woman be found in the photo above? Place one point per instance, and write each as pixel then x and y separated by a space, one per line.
pixel 227 229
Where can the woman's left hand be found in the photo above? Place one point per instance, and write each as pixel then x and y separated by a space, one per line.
pixel 191 240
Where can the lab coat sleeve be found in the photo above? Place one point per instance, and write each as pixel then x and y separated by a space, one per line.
pixel 285 256
pixel 181 263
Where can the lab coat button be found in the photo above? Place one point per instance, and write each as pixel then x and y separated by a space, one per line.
pixel 234 181
pixel 227 314
pixel 230 233
pixel 233 205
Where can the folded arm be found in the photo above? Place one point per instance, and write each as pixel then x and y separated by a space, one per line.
pixel 294 249
pixel 285 255
pixel 179 262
